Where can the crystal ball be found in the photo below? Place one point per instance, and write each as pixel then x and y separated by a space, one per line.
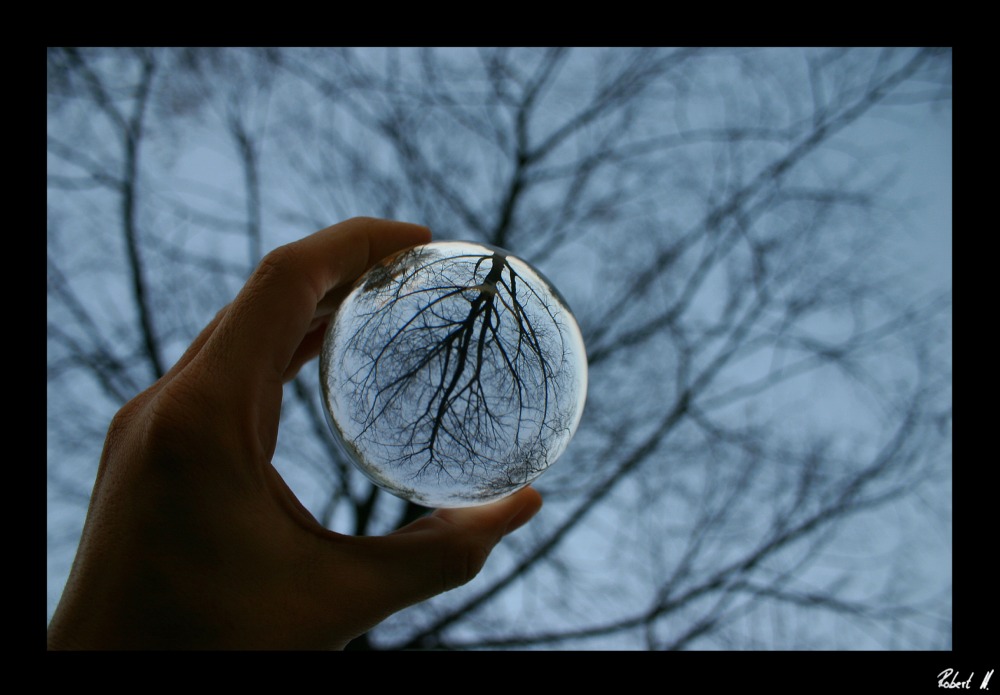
pixel 453 374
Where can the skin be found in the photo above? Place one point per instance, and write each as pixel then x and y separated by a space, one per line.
pixel 193 540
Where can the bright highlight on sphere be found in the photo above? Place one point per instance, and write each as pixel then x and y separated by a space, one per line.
pixel 454 374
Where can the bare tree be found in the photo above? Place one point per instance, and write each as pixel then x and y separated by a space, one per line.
pixel 769 397
pixel 455 374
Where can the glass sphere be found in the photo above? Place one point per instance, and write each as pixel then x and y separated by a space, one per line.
pixel 453 374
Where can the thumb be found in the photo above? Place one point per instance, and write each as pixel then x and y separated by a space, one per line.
pixel 443 550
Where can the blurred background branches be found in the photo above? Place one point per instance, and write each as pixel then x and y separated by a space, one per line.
pixel 765 457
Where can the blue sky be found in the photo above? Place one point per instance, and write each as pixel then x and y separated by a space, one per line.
pixel 923 255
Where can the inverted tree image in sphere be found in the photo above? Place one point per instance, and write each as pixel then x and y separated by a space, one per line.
pixel 453 374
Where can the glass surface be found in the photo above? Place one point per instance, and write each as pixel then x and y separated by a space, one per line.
pixel 453 374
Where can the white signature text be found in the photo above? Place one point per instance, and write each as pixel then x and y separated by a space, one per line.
pixel 949 679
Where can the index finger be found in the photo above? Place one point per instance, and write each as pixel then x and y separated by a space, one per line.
pixel 272 313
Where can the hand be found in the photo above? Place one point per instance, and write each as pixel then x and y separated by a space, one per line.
pixel 193 540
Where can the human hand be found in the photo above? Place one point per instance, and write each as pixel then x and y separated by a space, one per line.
pixel 193 540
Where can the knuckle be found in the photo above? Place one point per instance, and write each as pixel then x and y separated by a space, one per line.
pixel 172 419
pixel 277 262
pixel 121 424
